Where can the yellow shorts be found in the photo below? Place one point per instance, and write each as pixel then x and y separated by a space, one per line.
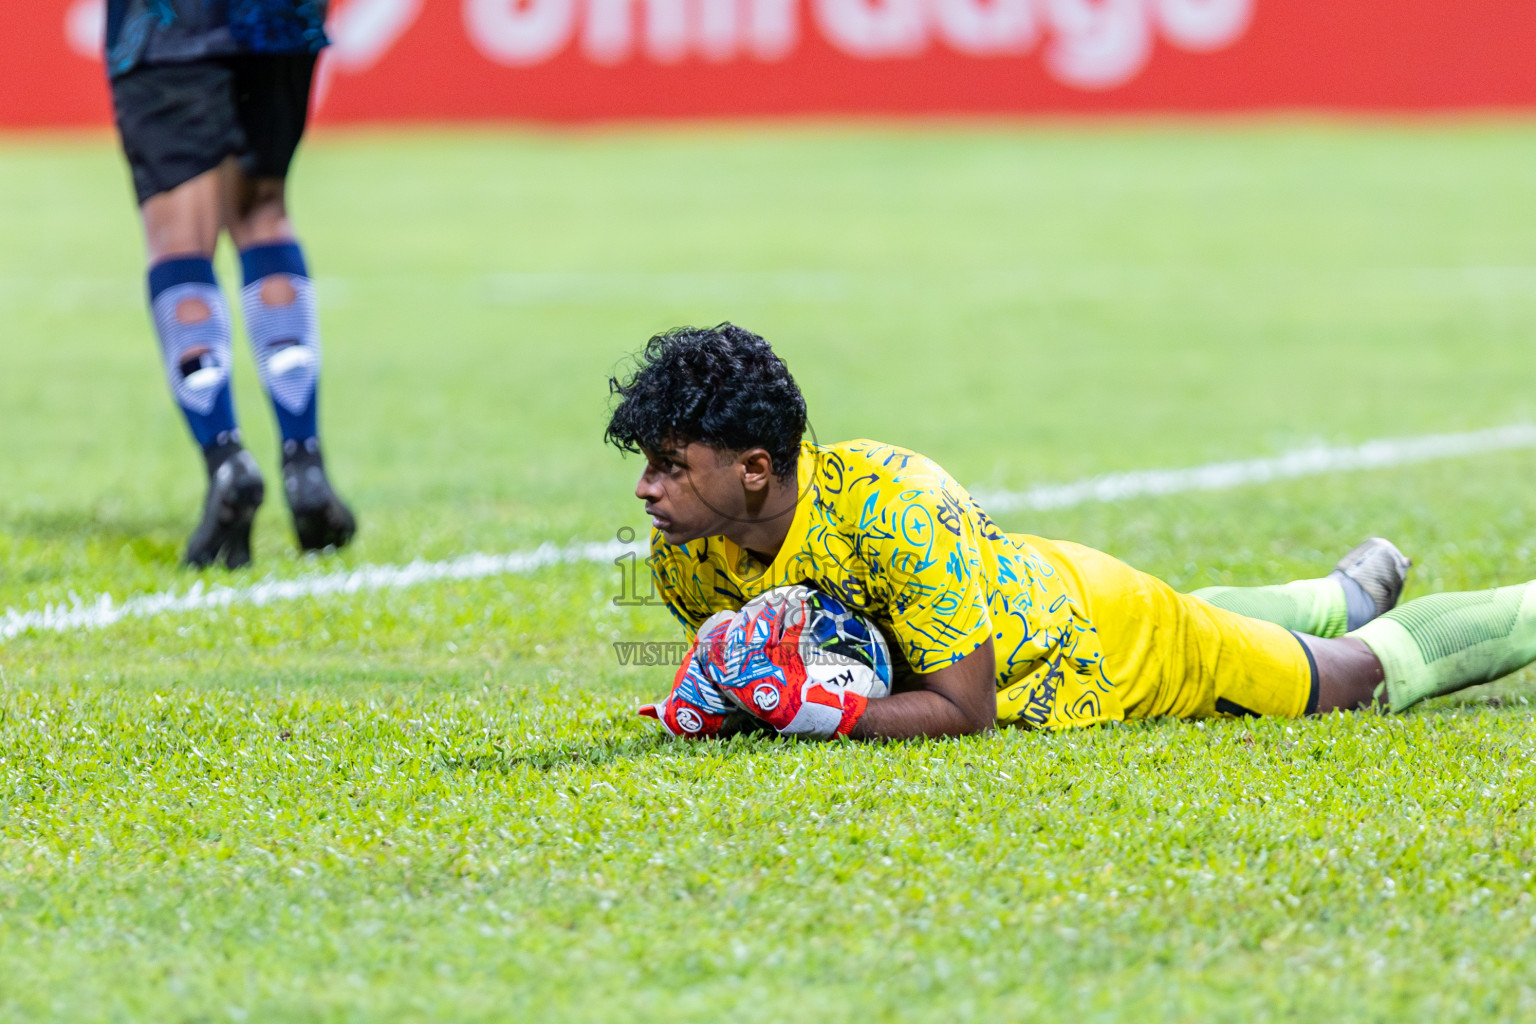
pixel 1168 653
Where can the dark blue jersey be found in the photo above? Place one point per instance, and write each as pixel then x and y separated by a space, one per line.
pixel 176 31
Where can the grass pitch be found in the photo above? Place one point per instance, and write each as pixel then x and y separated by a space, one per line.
pixel 436 803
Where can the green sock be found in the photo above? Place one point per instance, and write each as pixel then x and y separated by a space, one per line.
pixel 1447 642
pixel 1317 607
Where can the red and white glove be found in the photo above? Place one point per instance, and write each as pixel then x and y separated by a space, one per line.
pixel 764 673
pixel 696 709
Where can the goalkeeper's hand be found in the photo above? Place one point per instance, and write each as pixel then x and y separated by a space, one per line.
pixel 765 676
pixel 696 708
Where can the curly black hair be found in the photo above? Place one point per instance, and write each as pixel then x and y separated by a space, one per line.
pixel 720 386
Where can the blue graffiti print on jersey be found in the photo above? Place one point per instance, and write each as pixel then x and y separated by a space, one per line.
pixel 129 24
pixel 176 31
pixel 278 26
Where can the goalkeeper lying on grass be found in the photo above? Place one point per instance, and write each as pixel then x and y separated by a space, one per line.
pixel 983 626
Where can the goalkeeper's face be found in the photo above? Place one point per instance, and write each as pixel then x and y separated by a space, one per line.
pixel 693 491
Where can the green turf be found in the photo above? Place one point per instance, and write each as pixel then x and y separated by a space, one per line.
pixel 436 803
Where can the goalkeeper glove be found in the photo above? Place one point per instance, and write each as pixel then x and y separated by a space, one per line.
pixel 765 675
pixel 696 709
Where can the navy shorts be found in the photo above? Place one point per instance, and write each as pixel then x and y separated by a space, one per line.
pixel 179 120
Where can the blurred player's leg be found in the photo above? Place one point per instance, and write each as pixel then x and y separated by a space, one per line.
pixel 278 298
pixel 193 323
pixel 1366 583
pixel 280 317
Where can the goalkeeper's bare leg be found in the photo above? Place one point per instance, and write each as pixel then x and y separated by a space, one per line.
pixel 1429 647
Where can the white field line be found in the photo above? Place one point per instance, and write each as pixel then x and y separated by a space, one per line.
pixel 104 611
pixel 1224 476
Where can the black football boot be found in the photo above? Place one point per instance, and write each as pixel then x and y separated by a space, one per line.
pixel 235 492
pixel 320 518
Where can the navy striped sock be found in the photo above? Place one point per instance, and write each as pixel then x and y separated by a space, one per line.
pixel 284 328
pixel 192 320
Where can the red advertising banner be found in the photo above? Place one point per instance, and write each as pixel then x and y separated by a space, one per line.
pixel 573 60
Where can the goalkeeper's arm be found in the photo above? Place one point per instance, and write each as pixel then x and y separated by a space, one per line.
pixel 952 701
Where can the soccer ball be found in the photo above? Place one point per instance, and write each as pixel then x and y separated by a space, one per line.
pixel 841 650
pixel 794 661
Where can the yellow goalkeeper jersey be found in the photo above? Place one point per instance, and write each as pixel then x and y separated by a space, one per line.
pixel 891 534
